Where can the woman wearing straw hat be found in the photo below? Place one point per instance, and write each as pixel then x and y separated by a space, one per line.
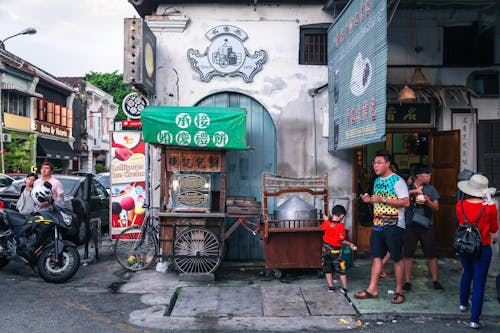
pixel 475 269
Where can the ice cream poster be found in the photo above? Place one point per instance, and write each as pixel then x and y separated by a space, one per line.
pixel 128 176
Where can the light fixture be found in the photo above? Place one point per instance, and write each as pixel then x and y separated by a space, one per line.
pixel 419 77
pixel 406 95
pixel 27 31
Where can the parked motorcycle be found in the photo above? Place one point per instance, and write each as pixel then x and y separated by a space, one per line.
pixel 37 241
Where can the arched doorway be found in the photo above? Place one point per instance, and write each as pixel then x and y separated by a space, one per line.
pixel 244 168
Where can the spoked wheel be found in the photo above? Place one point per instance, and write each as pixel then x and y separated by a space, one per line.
pixel 135 252
pixel 197 251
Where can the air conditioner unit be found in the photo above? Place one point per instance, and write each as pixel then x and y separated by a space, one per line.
pixel 6 138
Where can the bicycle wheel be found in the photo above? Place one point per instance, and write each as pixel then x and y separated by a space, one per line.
pixel 197 251
pixel 134 250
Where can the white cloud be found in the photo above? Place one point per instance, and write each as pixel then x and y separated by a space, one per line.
pixel 74 36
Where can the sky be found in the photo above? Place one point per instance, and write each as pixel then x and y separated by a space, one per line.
pixel 74 37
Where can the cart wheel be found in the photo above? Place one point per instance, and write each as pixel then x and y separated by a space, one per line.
pixel 197 251
pixel 277 273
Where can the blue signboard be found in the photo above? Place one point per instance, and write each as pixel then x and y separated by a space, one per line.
pixel 357 67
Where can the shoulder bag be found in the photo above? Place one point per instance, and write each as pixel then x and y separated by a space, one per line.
pixel 467 240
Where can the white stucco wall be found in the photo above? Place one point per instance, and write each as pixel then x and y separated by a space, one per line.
pixel 282 86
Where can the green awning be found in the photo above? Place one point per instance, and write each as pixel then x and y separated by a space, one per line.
pixel 200 127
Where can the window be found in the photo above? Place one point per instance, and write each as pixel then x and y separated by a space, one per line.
pixel 14 103
pixel 471 45
pixel 313 44
pixel 484 83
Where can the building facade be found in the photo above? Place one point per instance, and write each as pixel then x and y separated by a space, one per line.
pixel 37 117
pixel 271 58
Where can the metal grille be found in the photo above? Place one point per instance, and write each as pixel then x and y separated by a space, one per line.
pixel 314 48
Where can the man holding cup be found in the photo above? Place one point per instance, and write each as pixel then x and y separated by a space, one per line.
pixel 424 199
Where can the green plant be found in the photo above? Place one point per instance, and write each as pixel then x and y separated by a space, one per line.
pixel 100 168
pixel 113 84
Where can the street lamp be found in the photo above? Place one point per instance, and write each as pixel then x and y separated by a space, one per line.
pixel 27 31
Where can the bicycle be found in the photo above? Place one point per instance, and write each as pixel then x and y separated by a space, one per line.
pixel 136 248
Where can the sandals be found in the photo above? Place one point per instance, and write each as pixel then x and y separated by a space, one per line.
pixel 398 298
pixel 364 294
pixel 385 275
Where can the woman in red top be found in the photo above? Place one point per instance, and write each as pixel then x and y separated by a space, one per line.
pixel 475 269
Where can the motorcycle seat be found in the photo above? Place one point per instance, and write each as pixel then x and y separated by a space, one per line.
pixel 15 218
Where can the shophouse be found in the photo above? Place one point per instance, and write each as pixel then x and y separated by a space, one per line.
pixel 271 58
pixel 94 113
pixel 37 119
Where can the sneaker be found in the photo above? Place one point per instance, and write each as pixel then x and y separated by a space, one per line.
pixel 343 290
pixel 463 308
pixel 407 286
pixel 437 286
pixel 331 289
pixel 475 325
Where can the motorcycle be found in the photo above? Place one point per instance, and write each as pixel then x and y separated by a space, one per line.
pixel 38 242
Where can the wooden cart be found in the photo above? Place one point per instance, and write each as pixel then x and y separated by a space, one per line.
pixel 292 243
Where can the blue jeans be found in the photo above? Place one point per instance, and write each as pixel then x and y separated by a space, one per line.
pixel 475 271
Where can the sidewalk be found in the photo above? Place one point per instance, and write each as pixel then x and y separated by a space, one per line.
pixel 244 299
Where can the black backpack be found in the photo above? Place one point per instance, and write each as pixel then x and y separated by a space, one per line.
pixel 467 240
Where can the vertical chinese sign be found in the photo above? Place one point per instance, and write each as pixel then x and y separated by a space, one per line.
pixel 128 178
pixel 357 66
pixel 466 123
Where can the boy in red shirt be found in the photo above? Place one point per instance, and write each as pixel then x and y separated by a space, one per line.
pixel 333 239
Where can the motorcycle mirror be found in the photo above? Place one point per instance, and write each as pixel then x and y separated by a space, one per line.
pixel 47 185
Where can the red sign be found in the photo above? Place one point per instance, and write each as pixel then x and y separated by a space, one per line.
pixel 131 123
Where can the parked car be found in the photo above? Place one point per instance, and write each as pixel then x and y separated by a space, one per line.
pixel 105 179
pixel 86 196
pixel 5 182
pixel 17 176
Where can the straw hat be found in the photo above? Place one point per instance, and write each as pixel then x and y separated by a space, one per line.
pixel 476 186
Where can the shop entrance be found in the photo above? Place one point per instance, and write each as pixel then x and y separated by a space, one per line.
pixel 410 148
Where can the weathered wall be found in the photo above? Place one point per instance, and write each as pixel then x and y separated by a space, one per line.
pixel 282 86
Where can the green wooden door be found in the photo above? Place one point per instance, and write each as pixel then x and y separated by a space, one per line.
pixel 245 167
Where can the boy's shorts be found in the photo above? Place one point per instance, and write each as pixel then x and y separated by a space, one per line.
pixel 333 263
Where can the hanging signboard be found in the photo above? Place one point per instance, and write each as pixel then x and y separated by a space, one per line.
pixel 199 127
pixel 128 180
pixel 357 66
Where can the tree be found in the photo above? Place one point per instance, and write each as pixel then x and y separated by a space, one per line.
pixel 18 153
pixel 113 84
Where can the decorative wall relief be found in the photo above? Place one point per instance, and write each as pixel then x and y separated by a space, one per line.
pixel 226 55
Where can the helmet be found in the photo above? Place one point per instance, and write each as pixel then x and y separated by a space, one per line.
pixel 41 193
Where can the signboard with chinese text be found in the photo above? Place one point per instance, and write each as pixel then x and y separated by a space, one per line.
pixel 410 115
pixel 465 121
pixel 357 67
pixel 199 127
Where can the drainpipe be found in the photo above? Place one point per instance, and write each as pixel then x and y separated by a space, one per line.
pixel 313 92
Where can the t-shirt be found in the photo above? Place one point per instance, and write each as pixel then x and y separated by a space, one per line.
pixel 488 222
pixel 57 189
pixel 390 187
pixel 416 208
pixel 334 233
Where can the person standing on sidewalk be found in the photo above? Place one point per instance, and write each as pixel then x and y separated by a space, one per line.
pixel 475 269
pixel 333 239
pixel 390 197
pixel 424 199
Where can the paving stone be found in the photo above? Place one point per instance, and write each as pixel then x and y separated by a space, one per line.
pixel 283 301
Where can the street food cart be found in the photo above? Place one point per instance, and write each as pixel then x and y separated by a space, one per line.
pixel 294 241
pixel 193 143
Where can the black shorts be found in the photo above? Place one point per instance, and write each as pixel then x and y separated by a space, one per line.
pixel 389 239
pixel 333 263
pixel 415 234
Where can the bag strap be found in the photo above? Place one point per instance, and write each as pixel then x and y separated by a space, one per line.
pixel 465 217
